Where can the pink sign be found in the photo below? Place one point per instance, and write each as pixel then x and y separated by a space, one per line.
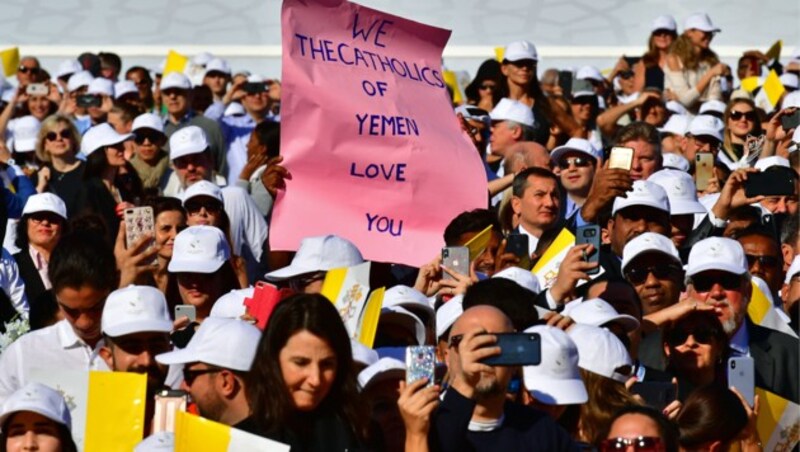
pixel 369 135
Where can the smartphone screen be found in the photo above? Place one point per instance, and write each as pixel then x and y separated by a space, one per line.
pixel 703 170
pixel 517 244
pixel 565 82
pixel 620 158
pixel 186 310
pixel 773 182
pixel 789 122
pixel 456 258
pixel 517 349
pixel 590 233
pixel 420 363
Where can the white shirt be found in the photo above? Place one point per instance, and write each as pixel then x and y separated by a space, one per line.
pixel 12 283
pixel 55 348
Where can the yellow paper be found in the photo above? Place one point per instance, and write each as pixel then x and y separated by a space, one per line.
pixel 115 411
pixel 499 53
pixel 332 285
pixel 451 80
pixel 10 59
pixel 193 433
pixel 477 244
pixel 773 87
pixel 370 317
pixel 564 240
pixel 774 52
pixel 750 84
pixel 175 62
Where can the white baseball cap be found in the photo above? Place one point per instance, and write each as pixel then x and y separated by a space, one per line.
pixel 234 109
pixel 473 112
pixel 412 300
pixel 672 160
pixel 793 270
pixel 79 80
pixel 100 136
pixel 101 86
pixel 320 253
pixel 186 141
pixel 676 107
pixel 790 80
pixel 402 317
pixel 791 99
pixel 157 442
pixel 520 50
pixel 522 277
pixel 706 125
pixel 700 21
pixel 598 312
pixel 199 249
pixel 773 160
pixel 644 193
pixel 383 369
pixel 717 253
pixel 363 354
pixel 148 121
pixel 124 87
pixel 45 202
pixel 512 110
pixel 664 22
pixel 578 145
pixel 39 399
pixel 589 73
pixel 202 58
pixel 203 188
pixel 175 80
pixel 714 106
pixel 135 309
pixel 676 125
pixel 26 131
pixel 231 305
pixel 447 314
pixel 556 380
pixel 600 352
pixel 217 65
pixel 68 67
pixel 226 343
pixel 681 191
pixel 649 242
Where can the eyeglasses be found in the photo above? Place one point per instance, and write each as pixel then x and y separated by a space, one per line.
pixel 728 281
pixel 40 217
pixel 679 337
pixel 579 162
pixel 750 115
pixel 486 86
pixel 641 444
pixel 26 69
pixel 764 261
pixel 193 206
pixel 154 138
pixel 638 275
pixel 53 136
pixel 301 282
pixel 190 375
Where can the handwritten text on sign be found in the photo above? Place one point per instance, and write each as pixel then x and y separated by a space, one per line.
pixel 368 134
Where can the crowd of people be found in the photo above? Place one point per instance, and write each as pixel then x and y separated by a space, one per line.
pixel 663 299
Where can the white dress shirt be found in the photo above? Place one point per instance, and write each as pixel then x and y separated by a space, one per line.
pixel 49 350
pixel 12 284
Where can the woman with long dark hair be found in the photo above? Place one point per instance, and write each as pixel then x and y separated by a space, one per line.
pixel 303 388
pixel 480 92
pixel 35 417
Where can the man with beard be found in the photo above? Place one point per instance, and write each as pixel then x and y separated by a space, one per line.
pixel 136 327
pixel 717 276
pixel 474 414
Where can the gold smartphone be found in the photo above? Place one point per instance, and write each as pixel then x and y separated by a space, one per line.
pixel 703 170
pixel 620 158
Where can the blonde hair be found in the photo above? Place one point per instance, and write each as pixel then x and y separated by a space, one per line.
pixel 47 126
pixel 684 50
pixel 606 397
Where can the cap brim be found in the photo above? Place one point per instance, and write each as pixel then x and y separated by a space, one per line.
pixel 628 322
pixel 720 266
pixel 180 356
pixel 627 262
pixel 32 407
pixel 193 266
pixel 291 271
pixel 561 150
pixel 686 207
pixel 556 392
pixel 141 326
pixel 638 203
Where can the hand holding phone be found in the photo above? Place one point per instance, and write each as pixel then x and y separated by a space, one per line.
pixel 590 234
pixel 620 158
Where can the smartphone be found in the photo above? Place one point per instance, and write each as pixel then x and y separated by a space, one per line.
pixel 421 363
pixel 517 244
pixel 565 82
pixel 456 258
pixel 37 89
pixel 168 403
pixel 88 100
pixel 254 88
pixel 517 349
pixel 773 182
pixel 186 310
pixel 703 170
pixel 741 375
pixel 656 394
pixel 620 158
pixel 789 122
pixel 138 222
pixel 590 233
pixel 755 146
pixel 581 86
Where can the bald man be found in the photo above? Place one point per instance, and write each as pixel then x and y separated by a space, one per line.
pixel 521 155
pixel 475 414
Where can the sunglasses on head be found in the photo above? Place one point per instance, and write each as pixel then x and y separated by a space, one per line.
pixel 152 137
pixel 26 69
pixel 638 275
pixel 750 115
pixel 764 261
pixel 53 136
pixel 679 337
pixel 641 444
pixel 727 281
pixel 579 162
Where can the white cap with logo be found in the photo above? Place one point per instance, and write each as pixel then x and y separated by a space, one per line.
pixel 225 343
pixel 319 253
pixel 676 162
pixel 520 50
pixel 79 80
pixel 231 305
pixel 25 133
pixel 556 380
pixel 520 276
pixel 135 309
pixel 124 87
pixel 199 249
pixel 589 73
pixel 717 253
pixel 644 193
pixel 175 80
pixel 713 106
pixel 217 65
pixel 649 242
pixel 681 191
pixel 676 125
pixel 186 141
pixel 39 399
pixel 706 125
pixel 101 86
pixel 45 202
pixel 148 121
pixel 512 110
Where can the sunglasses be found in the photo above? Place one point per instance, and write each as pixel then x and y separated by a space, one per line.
pixel 579 162
pixel 764 261
pixel 583 100
pixel 26 69
pixel 301 282
pixel 530 64
pixel 53 136
pixel 737 115
pixel 190 375
pixel 679 337
pixel 625 75
pixel 489 87
pixel 194 206
pixel 40 217
pixel 641 444
pixel 638 275
pixel 662 32
pixel 154 138
pixel 728 281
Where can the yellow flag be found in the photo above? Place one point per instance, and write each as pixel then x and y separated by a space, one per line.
pixel 499 53
pixel 451 80
pixel 749 84
pixel 546 268
pixel 193 433
pixel 115 411
pixel 771 92
pixel 774 52
pixel 778 421
pixel 10 59
pixel 175 62
pixel 370 317
pixel 477 244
